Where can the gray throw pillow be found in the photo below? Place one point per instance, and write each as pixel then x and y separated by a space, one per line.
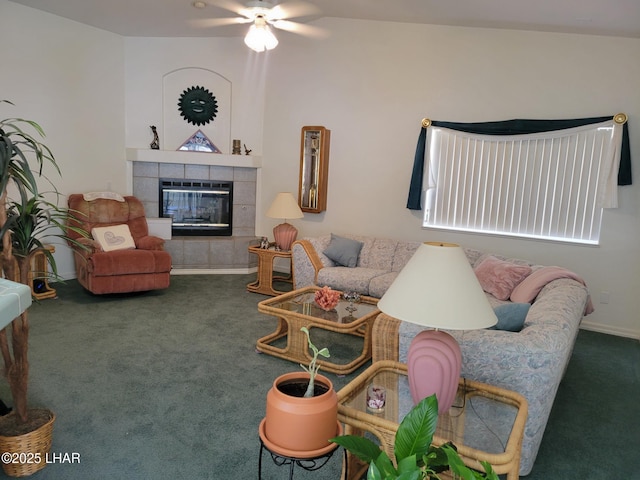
pixel 343 251
pixel 511 316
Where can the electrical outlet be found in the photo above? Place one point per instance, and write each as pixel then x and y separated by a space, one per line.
pixel 604 297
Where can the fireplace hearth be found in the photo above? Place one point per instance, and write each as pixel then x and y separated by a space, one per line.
pixel 197 207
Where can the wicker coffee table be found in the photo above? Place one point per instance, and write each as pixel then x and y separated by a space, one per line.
pixel 297 309
pixel 486 423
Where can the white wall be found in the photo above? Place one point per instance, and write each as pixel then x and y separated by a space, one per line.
pixel 371 83
pixel 69 78
pixel 149 59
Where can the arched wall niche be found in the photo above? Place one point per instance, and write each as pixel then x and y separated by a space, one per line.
pixel 176 130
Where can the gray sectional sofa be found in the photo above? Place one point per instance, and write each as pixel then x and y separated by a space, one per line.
pixel 531 361
pixel 378 264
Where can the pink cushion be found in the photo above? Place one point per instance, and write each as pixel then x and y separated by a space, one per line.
pixel 499 277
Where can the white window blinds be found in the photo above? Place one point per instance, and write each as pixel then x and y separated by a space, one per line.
pixel 551 185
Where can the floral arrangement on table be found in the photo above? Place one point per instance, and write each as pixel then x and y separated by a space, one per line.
pixel 326 298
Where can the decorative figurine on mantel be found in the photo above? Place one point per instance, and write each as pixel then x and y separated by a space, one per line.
pixel 246 150
pixel 155 144
pixel 236 147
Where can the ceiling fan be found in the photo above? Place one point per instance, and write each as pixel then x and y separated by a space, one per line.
pixel 264 15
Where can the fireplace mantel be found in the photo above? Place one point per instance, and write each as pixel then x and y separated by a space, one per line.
pixel 193 158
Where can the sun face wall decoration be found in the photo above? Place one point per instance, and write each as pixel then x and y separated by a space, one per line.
pixel 197 105
pixel 195 99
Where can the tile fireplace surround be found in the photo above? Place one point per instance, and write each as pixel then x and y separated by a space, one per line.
pixel 203 253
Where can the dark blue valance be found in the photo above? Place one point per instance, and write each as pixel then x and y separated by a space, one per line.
pixel 510 127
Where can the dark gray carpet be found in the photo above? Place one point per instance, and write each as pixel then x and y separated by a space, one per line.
pixel 167 385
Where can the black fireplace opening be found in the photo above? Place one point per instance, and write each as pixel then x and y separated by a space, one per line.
pixel 197 207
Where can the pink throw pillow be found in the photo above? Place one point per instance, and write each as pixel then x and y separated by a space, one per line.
pixel 499 277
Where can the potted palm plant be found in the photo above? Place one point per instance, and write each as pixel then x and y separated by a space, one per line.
pixel 23 220
pixel 416 458
pixel 302 409
pixel 33 218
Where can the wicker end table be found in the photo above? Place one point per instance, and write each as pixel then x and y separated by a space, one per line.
pixel 297 309
pixel 486 423
pixel 264 282
pixel 38 277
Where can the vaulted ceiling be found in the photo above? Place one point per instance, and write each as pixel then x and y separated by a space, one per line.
pixel 179 18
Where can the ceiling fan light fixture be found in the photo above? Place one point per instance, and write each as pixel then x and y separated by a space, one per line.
pixel 260 37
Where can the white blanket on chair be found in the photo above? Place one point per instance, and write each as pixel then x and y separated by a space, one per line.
pixel 91 196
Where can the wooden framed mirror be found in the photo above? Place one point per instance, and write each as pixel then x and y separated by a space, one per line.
pixel 314 169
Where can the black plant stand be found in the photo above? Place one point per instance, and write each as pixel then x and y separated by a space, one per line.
pixel 310 464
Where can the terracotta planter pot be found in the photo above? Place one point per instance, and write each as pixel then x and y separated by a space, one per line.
pixel 295 424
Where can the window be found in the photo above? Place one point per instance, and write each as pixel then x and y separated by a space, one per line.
pixel 550 185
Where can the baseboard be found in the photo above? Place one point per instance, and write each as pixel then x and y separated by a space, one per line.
pixel 619 332
pixel 191 271
pixel 64 276
pixel 213 271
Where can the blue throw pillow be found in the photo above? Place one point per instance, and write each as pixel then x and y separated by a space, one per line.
pixel 343 251
pixel 511 316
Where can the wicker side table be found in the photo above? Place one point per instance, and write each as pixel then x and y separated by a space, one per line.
pixel 37 276
pixel 486 423
pixel 264 283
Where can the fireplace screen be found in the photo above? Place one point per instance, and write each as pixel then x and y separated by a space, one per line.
pixel 197 207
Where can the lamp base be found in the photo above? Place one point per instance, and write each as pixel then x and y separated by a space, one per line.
pixel 285 234
pixel 434 361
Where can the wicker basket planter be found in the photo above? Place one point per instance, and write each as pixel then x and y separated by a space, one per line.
pixel 28 451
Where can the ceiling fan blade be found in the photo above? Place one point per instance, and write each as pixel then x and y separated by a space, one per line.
pixel 218 22
pixel 293 9
pixel 300 28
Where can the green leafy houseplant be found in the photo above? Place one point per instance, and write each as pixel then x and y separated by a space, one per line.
pixel 24 220
pixel 313 367
pixel 33 219
pixel 416 458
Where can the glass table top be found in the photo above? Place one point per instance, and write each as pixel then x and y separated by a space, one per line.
pixel 476 421
pixel 304 304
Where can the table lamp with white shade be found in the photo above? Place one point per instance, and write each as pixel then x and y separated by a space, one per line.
pixel 284 206
pixel 438 289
